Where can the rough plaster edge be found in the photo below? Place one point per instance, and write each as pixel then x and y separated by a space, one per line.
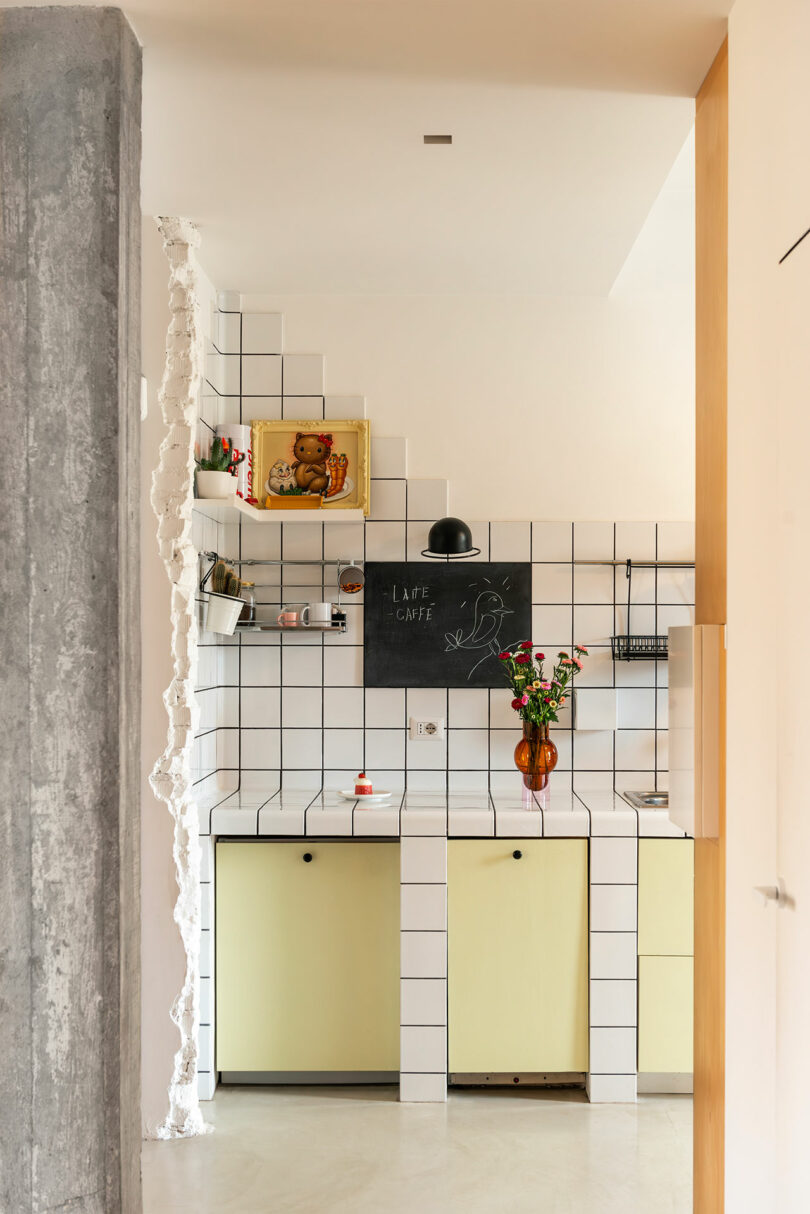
pixel 172 496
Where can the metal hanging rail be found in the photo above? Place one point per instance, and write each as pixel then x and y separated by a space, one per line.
pixel 335 560
pixel 642 564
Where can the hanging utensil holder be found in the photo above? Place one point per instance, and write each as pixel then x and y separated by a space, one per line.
pixel 630 648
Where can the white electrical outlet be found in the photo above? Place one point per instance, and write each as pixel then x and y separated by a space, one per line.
pixel 424 730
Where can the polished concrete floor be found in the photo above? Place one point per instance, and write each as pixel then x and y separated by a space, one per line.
pixel 357 1151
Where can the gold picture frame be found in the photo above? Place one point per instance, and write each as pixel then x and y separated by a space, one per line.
pixel 311 465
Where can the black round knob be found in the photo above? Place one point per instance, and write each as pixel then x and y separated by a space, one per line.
pixel 307 857
pixel 518 855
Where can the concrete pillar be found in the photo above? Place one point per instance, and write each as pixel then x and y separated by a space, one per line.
pixel 70 83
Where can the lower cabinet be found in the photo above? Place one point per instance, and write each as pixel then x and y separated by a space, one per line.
pixel 665 963
pixel 307 957
pixel 517 955
pixel 665 996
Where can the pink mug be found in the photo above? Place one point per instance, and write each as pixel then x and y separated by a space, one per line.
pixel 287 617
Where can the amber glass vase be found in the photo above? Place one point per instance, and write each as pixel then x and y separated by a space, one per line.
pixel 535 756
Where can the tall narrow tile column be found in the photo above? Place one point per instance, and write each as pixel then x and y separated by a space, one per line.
pixel 423 961
pixel 70 83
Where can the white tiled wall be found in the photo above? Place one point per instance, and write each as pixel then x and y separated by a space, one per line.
pixel 293 709
pixel 297 705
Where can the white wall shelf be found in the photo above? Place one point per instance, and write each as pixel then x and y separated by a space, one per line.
pixel 234 510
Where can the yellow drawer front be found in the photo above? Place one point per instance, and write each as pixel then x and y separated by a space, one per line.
pixel 665 991
pixel 665 897
pixel 518 955
pixel 307 956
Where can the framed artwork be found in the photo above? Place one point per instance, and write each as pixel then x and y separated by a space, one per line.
pixel 311 465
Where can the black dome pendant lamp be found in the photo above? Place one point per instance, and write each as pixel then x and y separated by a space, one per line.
pixel 449 539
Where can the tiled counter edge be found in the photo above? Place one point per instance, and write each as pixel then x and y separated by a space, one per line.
pixel 423 824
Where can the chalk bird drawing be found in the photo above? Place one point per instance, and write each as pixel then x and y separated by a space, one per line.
pixel 482 638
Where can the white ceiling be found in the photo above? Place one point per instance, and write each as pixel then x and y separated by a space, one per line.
pixel 291 130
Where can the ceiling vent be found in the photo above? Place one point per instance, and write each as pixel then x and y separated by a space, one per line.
pixel 437 138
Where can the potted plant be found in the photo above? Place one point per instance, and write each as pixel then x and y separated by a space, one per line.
pixel 537 701
pixel 224 604
pixel 216 476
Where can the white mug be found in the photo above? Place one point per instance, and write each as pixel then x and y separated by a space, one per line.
pixel 317 613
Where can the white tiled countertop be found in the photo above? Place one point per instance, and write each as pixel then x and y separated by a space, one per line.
pixel 321 814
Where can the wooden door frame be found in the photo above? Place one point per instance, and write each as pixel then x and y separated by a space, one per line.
pixel 711 379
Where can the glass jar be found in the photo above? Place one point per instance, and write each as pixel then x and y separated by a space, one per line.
pixel 248 613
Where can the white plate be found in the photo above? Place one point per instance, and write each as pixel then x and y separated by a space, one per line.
pixel 374 798
pixel 348 486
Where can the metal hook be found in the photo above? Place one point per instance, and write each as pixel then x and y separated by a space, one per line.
pixel 213 558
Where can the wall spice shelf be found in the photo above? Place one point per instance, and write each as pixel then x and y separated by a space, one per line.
pixel 234 510
pixel 270 626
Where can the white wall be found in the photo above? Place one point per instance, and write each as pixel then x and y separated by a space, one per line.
pixel 534 407
pixel 163 958
pixel 768 980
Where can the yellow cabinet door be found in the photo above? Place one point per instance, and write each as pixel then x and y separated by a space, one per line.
pixel 518 955
pixel 307 956
pixel 665 992
pixel 666 897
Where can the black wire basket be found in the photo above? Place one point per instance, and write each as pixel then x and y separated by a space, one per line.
pixel 629 648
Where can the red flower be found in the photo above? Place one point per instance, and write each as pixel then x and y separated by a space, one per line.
pixel 540 657
pixel 547 700
pixel 517 704
pixel 525 645
pixel 504 656
pixel 523 658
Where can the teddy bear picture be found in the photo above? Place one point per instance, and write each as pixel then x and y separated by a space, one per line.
pixel 311 454
pixel 303 466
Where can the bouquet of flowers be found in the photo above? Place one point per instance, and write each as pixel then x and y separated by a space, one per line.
pixel 538 699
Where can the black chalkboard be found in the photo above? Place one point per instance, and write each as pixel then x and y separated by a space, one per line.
pixel 443 624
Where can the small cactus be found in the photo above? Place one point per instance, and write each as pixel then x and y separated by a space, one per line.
pixel 222 458
pixel 218 576
pixel 224 580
